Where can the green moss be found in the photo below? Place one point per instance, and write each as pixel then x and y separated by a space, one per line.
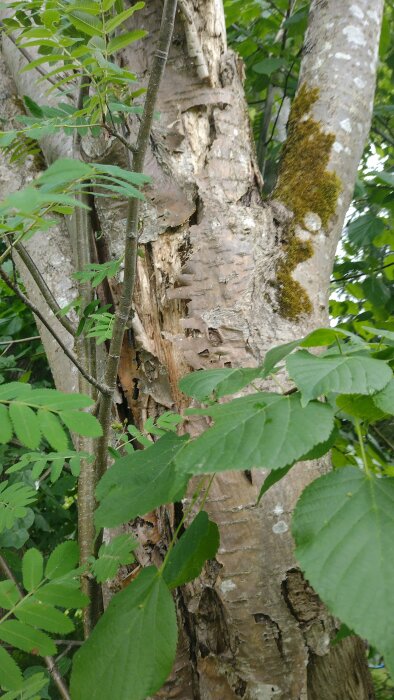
pixel 304 185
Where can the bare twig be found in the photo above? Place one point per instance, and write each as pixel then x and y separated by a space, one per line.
pixel 43 287
pixel 91 380
pixel 20 340
pixel 359 274
pixel 120 138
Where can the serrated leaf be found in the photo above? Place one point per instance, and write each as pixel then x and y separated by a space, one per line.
pixel 5 425
pixel 29 688
pixel 14 500
pixel 26 426
pixel 10 674
pixel 32 569
pixel 59 401
pixel 199 543
pixel 343 527
pixel 44 616
pixel 123 40
pixel 86 23
pixel 52 430
pixel 26 638
pixel 262 430
pixel 118 19
pixel 272 478
pixel 346 374
pixel 14 390
pixel 359 406
pixel 62 560
pixel 9 594
pixel 384 400
pixel 140 482
pixel 82 423
pixel 112 555
pixel 200 385
pixel 62 595
pixel 130 652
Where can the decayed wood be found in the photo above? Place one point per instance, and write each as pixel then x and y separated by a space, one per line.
pixel 206 296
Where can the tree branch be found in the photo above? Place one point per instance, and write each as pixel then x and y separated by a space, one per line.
pixel 131 242
pixel 14 287
pixel 43 287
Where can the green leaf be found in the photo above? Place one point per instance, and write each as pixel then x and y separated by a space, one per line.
pixel 384 400
pixel 268 65
pixel 261 430
pixel 29 688
pixel 343 527
pixel 25 424
pixel 59 401
pixel 5 425
pixel 32 569
pixel 140 482
pixel 199 543
pixel 86 23
pixel 13 502
pixel 33 107
pixel 362 407
pixel 200 385
pixel 10 674
pixel 130 652
pixel 363 230
pixel 112 555
pixel 52 430
pixel 9 594
pixel 123 40
pixel 345 374
pixel 43 616
pixel 118 19
pixel 82 423
pixel 62 560
pixel 272 478
pixel 62 594
pixel 26 638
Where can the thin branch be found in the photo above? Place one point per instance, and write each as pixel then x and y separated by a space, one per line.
pixel 19 340
pixel 334 280
pixel 49 660
pixel 131 243
pixel 98 385
pixel 121 138
pixel 43 287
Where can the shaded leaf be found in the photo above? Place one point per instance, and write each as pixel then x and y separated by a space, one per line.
pixel 199 543
pixel 32 569
pixel 26 638
pixel 62 560
pixel 44 616
pixel 10 674
pixel 26 425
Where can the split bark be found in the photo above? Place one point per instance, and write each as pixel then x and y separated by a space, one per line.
pixel 207 296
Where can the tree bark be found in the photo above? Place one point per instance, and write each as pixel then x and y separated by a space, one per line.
pixel 211 292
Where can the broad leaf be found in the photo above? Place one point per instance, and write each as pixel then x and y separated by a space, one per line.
pixel 345 374
pixel 384 400
pixel 62 595
pixel 140 482
pixel 26 638
pixel 5 425
pixel 62 560
pixel 10 673
pixel 199 543
pixel 25 424
pixel 359 406
pixel 52 430
pixel 272 478
pixel 112 555
pixel 343 527
pixel 261 430
pixel 123 40
pixel 130 652
pixel 32 569
pixel 9 594
pixel 43 616
pixel 81 423
pixel 200 385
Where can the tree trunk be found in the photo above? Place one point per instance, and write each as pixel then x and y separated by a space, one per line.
pixel 224 277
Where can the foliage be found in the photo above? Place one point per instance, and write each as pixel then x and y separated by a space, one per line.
pixel 340 398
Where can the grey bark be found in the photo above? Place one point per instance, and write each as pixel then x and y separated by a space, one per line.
pixel 206 297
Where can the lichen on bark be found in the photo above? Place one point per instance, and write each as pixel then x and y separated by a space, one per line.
pixel 305 186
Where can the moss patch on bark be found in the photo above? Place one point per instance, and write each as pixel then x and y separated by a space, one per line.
pixel 304 186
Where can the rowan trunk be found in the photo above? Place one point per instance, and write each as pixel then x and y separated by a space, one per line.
pixel 224 277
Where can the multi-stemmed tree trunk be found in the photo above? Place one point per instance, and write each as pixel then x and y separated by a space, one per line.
pixel 224 277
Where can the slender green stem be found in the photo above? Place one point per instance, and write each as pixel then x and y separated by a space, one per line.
pixel 362 448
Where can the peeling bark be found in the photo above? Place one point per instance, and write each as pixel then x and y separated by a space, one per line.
pixel 206 297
